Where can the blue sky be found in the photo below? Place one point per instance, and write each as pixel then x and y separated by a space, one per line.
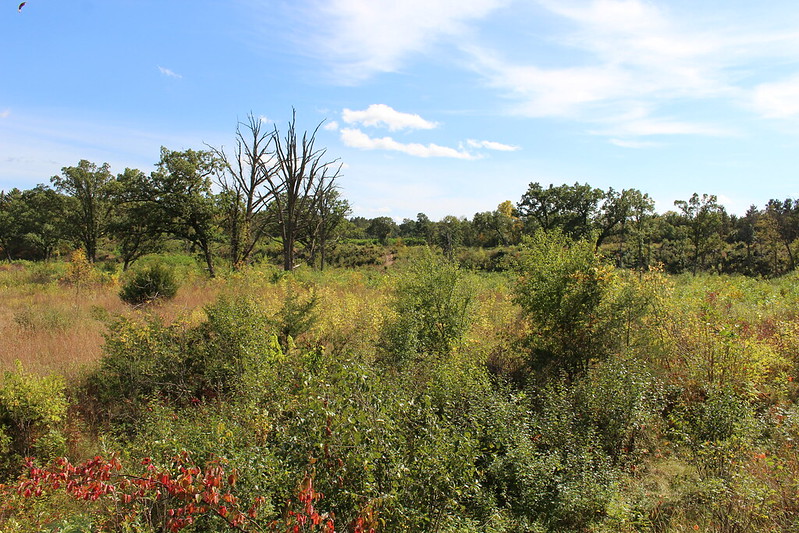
pixel 446 107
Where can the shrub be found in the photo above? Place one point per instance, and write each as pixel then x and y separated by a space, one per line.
pixel 580 309
pixel 296 316
pixel 181 363
pixel 154 283
pixel 79 271
pixel 433 305
pixel 32 409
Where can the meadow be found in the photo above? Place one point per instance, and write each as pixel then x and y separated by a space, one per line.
pixel 557 393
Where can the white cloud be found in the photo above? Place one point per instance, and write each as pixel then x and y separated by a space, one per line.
pixel 5 113
pixel 778 99
pixel 355 138
pixel 663 53
pixel 169 73
pixel 633 144
pixel 655 126
pixel 331 126
pixel 628 53
pixel 491 145
pixel 553 92
pixel 383 115
pixel 364 37
pixel 632 51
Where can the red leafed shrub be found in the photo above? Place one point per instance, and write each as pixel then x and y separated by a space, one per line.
pixel 167 499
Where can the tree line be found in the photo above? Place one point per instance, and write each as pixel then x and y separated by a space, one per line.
pixel 270 184
pixel 282 189
pixel 697 235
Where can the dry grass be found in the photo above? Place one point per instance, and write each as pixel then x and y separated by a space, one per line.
pixel 51 327
pixel 54 328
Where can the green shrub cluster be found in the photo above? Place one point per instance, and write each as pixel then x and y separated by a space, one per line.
pixel 432 305
pixel 151 284
pixel 32 414
pixel 147 359
pixel 581 310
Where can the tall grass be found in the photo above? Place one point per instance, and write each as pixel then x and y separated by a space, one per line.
pixel 52 326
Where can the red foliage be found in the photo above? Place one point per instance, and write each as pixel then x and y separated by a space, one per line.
pixel 186 491
pixel 175 497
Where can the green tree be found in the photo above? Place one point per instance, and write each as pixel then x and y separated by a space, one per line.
pixel 449 232
pixel 90 189
pixel 703 218
pixel 639 225
pixel 613 213
pixel 570 208
pixel 11 207
pixel 31 223
pixel 43 220
pixel 499 227
pixel 135 226
pixel 748 254
pixel 381 228
pixel 785 217
pixel 424 228
pixel 625 215
pixel 180 193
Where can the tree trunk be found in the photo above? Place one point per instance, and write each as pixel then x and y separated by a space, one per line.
pixel 209 262
pixel 322 246
pixel 288 253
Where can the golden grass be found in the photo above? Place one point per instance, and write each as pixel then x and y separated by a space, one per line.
pixel 55 328
pixel 52 329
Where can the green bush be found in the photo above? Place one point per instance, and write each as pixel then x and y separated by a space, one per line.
pixel 580 309
pixel 32 411
pixel 149 359
pixel 149 285
pixel 297 314
pixel 433 305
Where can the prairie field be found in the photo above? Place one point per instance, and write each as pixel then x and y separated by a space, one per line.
pixel 561 394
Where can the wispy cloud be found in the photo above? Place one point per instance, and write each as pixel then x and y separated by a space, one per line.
pixel 544 92
pixel 650 126
pixel 364 37
pixel 355 138
pixel 625 53
pixel 331 126
pixel 778 99
pixel 169 73
pixel 633 52
pixel 5 113
pixel 623 143
pixel 491 145
pixel 382 115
